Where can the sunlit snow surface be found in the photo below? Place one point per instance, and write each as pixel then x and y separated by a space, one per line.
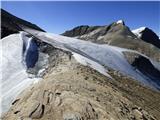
pixel 14 76
pixel 120 22
pixel 138 32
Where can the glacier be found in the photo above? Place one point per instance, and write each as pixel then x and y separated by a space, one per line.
pixel 16 52
pixel 107 56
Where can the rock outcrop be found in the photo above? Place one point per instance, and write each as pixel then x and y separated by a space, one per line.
pixel 9 24
pixel 147 35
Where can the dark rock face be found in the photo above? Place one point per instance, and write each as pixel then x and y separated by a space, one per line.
pixel 9 24
pixel 6 31
pixel 149 36
pixel 145 66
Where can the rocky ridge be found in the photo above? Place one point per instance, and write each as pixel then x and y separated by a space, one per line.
pixel 76 92
pixel 9 24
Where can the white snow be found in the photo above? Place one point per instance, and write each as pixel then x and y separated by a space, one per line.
pixel 87 62
pixel 120 22
pixel 138 32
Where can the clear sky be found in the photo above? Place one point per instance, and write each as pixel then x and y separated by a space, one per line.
pixel 57 17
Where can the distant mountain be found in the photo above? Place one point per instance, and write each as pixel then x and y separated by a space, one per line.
pixel 98 33
pixel 9 24
pixel 147 35
pixel 116 34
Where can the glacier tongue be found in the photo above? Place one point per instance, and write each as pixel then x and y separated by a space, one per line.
pixel 15 53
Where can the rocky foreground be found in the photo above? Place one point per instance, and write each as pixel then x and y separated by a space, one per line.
pixel 71 91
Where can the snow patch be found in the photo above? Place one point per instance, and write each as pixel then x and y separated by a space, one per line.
pixel 87 62
pixel 138 32
pixel 120 22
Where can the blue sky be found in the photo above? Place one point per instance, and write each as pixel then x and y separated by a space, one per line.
pixel 57 17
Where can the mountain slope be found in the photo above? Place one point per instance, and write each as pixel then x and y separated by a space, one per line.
pixel 9 24
pixel 147 35
pixel 116 34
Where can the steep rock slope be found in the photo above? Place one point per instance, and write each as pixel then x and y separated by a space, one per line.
pixel 9 24
pixel 147 35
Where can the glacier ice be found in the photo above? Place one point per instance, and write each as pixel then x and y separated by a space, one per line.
pixel 17 49
pixel 30 50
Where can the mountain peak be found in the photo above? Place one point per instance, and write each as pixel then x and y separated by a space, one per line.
pixel 120 22
pixel 147 35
